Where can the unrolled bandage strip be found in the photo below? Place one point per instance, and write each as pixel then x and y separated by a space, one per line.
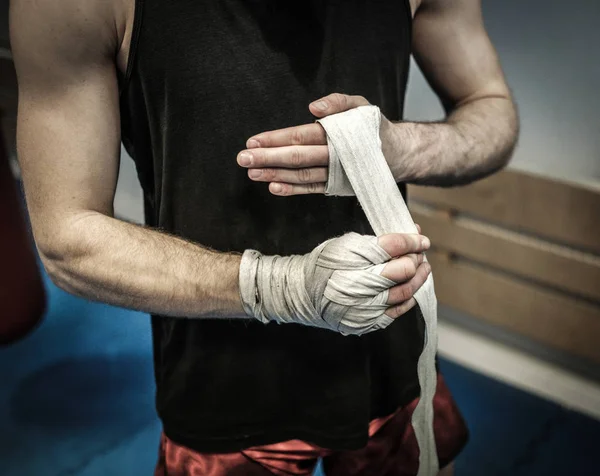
pixel 357 167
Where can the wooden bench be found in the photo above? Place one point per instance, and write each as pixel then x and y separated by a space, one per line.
pixel 521 252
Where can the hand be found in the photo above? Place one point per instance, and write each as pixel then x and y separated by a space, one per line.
pixel 295 160
pixel 408 270
pixel 339 290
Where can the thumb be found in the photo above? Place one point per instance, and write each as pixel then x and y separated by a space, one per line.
pixel 335 103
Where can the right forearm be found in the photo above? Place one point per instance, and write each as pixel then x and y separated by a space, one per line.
pixel 127 265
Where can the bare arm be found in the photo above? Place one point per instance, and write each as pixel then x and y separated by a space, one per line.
pixel 68 140
pixel 477 138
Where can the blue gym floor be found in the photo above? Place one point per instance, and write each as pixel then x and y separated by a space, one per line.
pixel 77 399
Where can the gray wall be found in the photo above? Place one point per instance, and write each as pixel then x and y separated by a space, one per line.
pixel 550 52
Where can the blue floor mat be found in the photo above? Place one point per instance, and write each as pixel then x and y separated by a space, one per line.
pixel 81 385
pixel 77 398
pixel 514 433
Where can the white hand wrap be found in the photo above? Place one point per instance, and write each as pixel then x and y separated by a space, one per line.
pixel 338 285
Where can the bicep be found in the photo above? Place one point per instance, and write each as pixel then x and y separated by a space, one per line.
pixel 68 137
pixel 454 52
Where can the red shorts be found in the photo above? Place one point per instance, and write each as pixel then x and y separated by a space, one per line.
pixel 391 450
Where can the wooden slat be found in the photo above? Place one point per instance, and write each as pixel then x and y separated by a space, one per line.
pixel 560 211
pixel 555 320
pixel 553 265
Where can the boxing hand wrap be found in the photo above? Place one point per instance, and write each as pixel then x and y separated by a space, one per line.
pixel 337 286
pixel 317 289
pixel 356 162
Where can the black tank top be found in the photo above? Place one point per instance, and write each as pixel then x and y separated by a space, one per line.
pixel 204 76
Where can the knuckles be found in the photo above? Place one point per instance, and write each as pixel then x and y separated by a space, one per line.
pixel 313 187
pixel 340 101
pixel 304 176
pixel 405 292
pixel 409 268
pixel 296 158
pixel 297 137
pixel 269 175
pixel 401 242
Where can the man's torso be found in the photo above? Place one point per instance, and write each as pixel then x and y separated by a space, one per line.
pixel 198 79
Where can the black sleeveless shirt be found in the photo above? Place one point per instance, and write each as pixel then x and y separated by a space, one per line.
pixel 204 76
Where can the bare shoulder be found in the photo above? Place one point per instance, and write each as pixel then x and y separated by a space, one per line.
pixel 54 35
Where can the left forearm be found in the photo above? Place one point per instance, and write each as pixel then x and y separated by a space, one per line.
pixel 474 141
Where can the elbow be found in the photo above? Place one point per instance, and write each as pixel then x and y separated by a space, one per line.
pixel 485 166
pixel 492 166
pixel 504 157
pixel 510 144
pixel 62 250
pixel 56 261
pixel 507 135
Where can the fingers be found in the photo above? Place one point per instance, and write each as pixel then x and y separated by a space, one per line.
pixel 397 311
pixel 284 189
pixel 300 176
pixel 400 244
pixel 335 103
pixel 403 268
pixel 306 134
pixel 289 157
pixel 401 297
pixel 404 291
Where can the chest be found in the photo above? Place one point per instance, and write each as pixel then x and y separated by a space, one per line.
pixel 222 45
